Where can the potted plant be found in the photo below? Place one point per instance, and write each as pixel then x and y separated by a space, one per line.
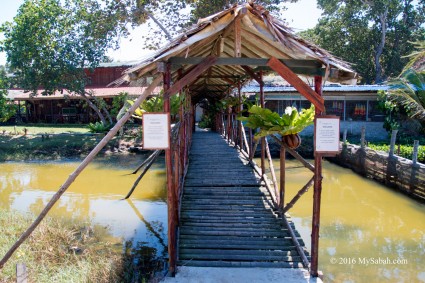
pixel 271 123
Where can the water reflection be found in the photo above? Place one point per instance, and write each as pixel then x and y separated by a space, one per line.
pixel 95 195
pixel 362 225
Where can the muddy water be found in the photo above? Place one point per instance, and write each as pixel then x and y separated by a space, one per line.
pixel 95 195
pixel 369 233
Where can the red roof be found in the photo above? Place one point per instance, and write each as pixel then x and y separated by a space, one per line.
pixel 19 94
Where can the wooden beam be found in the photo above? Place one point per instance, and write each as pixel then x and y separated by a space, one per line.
pixel 177 61
pixel 297 83
pixel 238 44
pixel 192 75
pixel 253 75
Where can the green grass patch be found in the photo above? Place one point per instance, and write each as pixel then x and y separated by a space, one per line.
pixel 14 148
pixel 34 129
pixel 60 250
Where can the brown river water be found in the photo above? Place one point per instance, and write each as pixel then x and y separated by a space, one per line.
pixel 369 233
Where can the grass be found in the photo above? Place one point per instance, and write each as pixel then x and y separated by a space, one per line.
pixel 55 147
pixel 60 250
pixel 35 129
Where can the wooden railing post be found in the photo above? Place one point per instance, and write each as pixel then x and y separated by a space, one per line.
pixel 363 138
pixel 171 195
pixel 392 142
pixel 263 140
pixel 415 152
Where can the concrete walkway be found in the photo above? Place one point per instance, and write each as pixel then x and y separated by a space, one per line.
pixel 188 274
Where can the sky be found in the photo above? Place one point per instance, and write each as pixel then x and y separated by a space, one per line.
pixel 300 16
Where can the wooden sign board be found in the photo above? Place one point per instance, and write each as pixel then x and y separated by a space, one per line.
pixel 326 135
pixel 156 134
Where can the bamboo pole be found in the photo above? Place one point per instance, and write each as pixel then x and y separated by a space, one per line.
pixel 245 141
pixel 275 186
pixel 282 175
pixel 298 195
pixel 146 161
pixel 151 159
pixel 294 154
pixel 79 169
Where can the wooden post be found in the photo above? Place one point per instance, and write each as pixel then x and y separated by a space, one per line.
pixel 415 152
pixel 263 139
pixel 171 195
pixel 363 138
pixel 240 113
pixel 21 273
pixel 316 194
pixel 392 143
pixel 282 176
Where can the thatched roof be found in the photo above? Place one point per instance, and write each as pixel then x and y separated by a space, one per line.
pixel 243 38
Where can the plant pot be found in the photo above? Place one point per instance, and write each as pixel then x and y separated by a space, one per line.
pixel 292 141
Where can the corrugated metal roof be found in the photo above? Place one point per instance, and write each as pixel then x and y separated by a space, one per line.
pixel 330 88
pixel 262 36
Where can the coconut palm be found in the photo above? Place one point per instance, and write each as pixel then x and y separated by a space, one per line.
pixel 408 90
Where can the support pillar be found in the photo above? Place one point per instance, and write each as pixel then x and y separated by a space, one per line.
pixel 316 194
pixel 171 194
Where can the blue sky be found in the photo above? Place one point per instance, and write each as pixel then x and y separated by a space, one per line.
pixel 300 16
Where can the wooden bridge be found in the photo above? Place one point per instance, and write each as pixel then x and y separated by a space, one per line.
pixel 227 217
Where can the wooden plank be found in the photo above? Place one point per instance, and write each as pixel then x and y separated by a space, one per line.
pixel 227 215
pixel 297 83
pixel 211 263
pixel 290 63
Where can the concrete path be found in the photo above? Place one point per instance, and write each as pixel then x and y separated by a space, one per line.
pixel 188 274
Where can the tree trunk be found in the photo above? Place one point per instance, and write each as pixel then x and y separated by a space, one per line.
pixel 167 34
pixel 380 47
pixel 94 107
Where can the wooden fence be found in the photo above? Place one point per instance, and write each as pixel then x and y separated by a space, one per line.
pixel 394 171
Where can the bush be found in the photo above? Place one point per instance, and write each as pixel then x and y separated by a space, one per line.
pixel 99 127
pixel 406 151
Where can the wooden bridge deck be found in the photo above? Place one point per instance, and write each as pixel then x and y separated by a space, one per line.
pixel 227 218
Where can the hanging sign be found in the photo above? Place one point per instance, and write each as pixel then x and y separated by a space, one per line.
pixel 326 133
pixel 156 134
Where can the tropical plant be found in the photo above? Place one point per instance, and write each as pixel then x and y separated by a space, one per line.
pixel 270 123
pixel 99 127
pixel 408 90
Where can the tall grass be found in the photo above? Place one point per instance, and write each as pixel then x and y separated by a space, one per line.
pixel 60 251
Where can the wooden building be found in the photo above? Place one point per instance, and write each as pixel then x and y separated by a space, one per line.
pixel 66 107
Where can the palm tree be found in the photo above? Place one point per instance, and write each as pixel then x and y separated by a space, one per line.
pixel 408 89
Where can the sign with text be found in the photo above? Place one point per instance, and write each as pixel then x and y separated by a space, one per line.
pixel 327 134
pixel 156 133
